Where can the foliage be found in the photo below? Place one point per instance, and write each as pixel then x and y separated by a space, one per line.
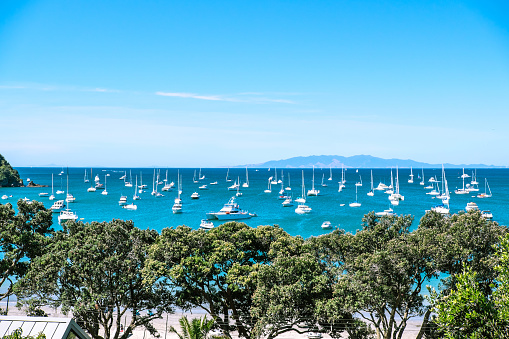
pixel 94 271
pixel 17 334
pixel 467 311
pixel 289 290
pixel 217 270
pixel 8 175
pixel 23 237
pixel 196 329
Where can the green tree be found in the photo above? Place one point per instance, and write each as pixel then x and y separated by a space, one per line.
pixel 216 270
pixel 8 176
pixel 289 290
pixel 18 334
pixel 196 329
pixel 467 311
pixel 380 272
pixel 23 237
pixel 94 271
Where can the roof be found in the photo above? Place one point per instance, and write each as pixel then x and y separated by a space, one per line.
pixel 53 328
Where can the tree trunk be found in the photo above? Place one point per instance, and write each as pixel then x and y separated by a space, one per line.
pixel 424 324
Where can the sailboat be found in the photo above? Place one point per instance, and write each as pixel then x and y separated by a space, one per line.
pixel 269 189
pixel 194 177
pixel 246 184
pixel 86 177
pixel 51 197
pixel 136 196
pixel 371 192
pixel 91 188
pixel 355 203
pixel 67 214
pixel 274 182
pixel 462 190
pixel 323 177
pixel 69 197
pixel 177 205
pixel 60 191
pixel 130 182
pixel 396 196
pixel 359 183
pixel 227 177
pixel 411 180
pixel 313 191
pixel 330 177
pixel 288 188
pixel 105 192
pixel 486 190
pixel 200 177
pixel 124 176
pixel 422 181
pixel 239 193
pixel 302 198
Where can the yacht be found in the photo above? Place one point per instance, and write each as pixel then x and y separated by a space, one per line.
pixel 230 211
pixel 213 183
pixel 177 206
pixel 303 209
pixel 326 224
pixel 195 195
pixel 131 207
pixel 67 215
pixel 123 200
pixel 288 202
pixel 57 206
pixel 442 209
pixel 4 197
pixel 203 187
pixel 43 194
pixel 487 214
pixel 471 206
pixel 384 213
pixel 206 225
pixel 70 198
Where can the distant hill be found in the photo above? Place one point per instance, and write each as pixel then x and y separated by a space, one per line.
pixel 356 161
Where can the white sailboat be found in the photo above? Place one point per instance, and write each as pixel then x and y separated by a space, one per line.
pixel 239 193
pixel 269 187
pixel 396 197
pixel 86 177
pixel 462 190
pixel 288 188
pixel 330 177
pixel 302 198
pixel 323 177
pixel 313 191
pixel 486 190
pixel 422 181
pixel 130 182
pixel 246 184
pixel 92 187
pixel 51 197
pixel 67 215
pixel 411 180
pixel 105 191
pixel 355 203
pixel 177 205
pixel 371 192
pixel 274 182
pixel 200 176
pixel 136 196
pixel 227 177
pixel 359 183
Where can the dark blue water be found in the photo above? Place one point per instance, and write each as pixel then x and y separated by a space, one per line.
pixel 155 213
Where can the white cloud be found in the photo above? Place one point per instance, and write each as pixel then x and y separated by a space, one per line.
pixel 194 96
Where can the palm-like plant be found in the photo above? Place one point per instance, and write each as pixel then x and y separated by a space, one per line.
pixel 198 328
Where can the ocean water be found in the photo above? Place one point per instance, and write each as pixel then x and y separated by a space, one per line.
pixel 155 213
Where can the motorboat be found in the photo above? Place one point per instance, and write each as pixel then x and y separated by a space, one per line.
pixel 57 206
pixel 326 224
pixel 288 202
pixel 442 209
pixel 487 214
pixel 203 187
pixel 213 183
pixel 381 187
pixel 206 224
pixel 385 213
pixel 471 206
pixel 177 207
pixel 43 194
pixel 131 207
pixel 4 197
pixel 230 211
pixel 123 200
pixel 70 198
pixel 314 335
pixel 303 209
pixel 195 195
pixel 67 215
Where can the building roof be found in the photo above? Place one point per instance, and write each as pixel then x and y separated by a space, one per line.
pixel 53 328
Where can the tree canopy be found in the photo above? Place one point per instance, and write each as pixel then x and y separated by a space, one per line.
pixel 8 175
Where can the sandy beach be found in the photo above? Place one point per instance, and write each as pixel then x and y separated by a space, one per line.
pixel 169 320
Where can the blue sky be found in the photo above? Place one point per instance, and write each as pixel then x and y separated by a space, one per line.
pixel 219 83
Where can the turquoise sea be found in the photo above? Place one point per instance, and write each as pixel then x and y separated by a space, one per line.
pixel 155 213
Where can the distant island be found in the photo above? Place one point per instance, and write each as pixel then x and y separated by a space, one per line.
pixel 356 161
